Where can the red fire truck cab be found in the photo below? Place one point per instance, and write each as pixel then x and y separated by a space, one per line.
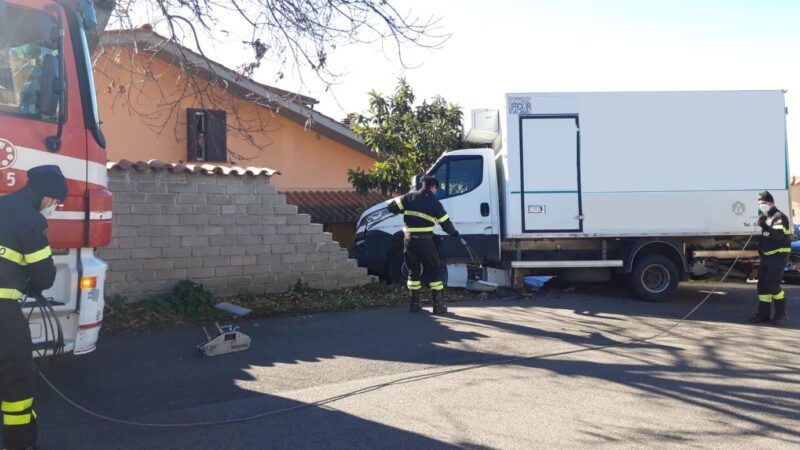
pixel 48 115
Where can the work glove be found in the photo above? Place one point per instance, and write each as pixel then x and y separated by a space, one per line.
pixel 762 221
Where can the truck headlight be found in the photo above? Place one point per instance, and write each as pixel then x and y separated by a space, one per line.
pixel 374 217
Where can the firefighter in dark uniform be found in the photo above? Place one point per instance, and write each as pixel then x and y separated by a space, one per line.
pixel 26 267
pixel 421 212
pixel 774 247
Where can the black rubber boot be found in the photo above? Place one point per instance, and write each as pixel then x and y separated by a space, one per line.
pixel 439 307
pixel 780 312
pixel 414 305
pixel 762 315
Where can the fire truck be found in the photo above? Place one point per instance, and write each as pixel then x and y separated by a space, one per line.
pixel 49 115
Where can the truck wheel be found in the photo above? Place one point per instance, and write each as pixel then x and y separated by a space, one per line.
pixel 654 277
pixel 394 267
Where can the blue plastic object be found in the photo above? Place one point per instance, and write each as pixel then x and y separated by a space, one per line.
pixel 535 282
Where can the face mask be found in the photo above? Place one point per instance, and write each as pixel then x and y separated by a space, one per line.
pixel 47 212
pixel 764 208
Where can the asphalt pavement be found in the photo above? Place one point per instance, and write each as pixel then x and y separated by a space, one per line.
pixel 515 373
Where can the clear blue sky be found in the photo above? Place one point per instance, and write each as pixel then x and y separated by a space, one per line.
pixel 587 45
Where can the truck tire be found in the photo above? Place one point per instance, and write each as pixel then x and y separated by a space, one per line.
pixel 654 278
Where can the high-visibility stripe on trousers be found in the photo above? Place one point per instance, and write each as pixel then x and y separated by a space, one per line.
pixel 18 378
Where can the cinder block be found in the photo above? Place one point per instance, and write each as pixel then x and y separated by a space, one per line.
pixel 263 229
pixel 266 260
pixel 237 230
pixel 211 189
pixel 220 199
pixel 182 188
pixel 253 270
pixel 183 231
pixel 229 271
pixel 210 210
pixel 223 240
pixel 205 251
pixel 337 256
pixel 176 209
pixel 112 254
pixel 216 261
pixel 299 239
pixel 248 220
pixel 131 220
pixel 199 273
pixel 243 260
pixel 141 275
pixel 193 220
pixel 233 251
pixel 276 239
pixel 257 249
pixel 288 229
pixel 293 258
pixel 145 209
pixel 288 210
pixel 300 219
pixel 153 231
pixel 346 264
pixel 266 189
pixel 161 242
pixel 130 197
pixel 125 265
pixel 194 241
pixel 159 263
pixel 239 189
pixel 260 210
pixel 248 239
pixel 222 220
pixel 314 228
pixel 247 199
pixel 180 252
pixel 172 274
pixel 164 219
pixel 146 253
pixel 163 199
pixel 283 249
pixel 322 238
pixel 192 199
pixel 208 230
pixel 315 257
pixel 133 242
pixel 188 263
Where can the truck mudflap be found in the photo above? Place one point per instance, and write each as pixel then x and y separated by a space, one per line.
pixel 91 302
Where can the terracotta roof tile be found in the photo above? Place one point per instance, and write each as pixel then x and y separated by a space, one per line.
pixel 333 206
pixel 207 169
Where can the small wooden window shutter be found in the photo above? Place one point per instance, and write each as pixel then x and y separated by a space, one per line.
pixel 217 136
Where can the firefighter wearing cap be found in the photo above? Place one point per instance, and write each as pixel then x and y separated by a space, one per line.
pixel 421 212
pixel 26 267
pixel 774 247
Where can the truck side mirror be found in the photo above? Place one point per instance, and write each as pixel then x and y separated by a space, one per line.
pixel 50 86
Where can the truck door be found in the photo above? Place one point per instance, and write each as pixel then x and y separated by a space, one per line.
pixel 550 166
pixel 465 190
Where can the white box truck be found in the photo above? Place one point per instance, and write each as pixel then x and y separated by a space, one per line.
pixel 652 186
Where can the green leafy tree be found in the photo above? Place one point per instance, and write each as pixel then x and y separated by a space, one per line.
pixel 408 138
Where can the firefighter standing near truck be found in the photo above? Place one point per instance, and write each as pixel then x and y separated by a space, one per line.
pixel 421 212
pixel 774 248
pixel 26 267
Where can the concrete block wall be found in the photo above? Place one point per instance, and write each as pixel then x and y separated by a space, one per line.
pixel 232 233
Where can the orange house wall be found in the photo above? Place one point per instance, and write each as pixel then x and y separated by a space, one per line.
pixel 138 126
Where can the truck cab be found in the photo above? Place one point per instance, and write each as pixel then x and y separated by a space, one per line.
pixel 468 184
pixel 49 115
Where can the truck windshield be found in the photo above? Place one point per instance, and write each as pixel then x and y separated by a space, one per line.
pixel 92 92
pixel 28 51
